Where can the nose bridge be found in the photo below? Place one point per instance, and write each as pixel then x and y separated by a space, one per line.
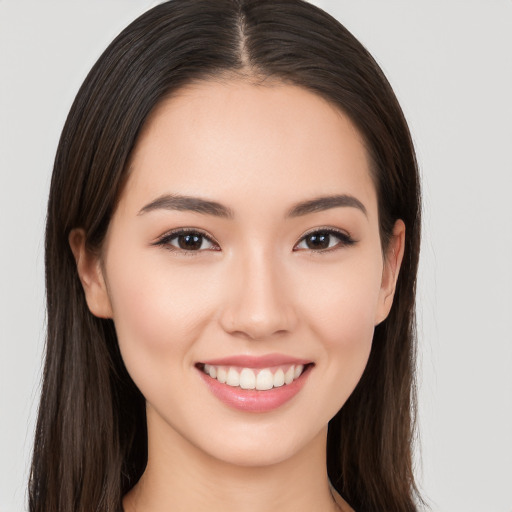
pixel 259 303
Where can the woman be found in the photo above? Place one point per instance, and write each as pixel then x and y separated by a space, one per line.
pixel 232 245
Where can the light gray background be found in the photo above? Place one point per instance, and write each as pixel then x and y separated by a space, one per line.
pixel 450 63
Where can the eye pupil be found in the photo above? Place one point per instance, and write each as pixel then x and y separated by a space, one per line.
pixel 190 242
pixel 318 241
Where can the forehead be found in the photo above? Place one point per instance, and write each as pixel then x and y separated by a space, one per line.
pixel 231 139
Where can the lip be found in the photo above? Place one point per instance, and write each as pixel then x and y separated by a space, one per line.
pixel 251 400
pixel 266 361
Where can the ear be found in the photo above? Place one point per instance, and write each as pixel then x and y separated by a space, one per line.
pixel 91 275
pixel 392 262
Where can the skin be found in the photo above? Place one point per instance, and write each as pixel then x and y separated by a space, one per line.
pixel 256 289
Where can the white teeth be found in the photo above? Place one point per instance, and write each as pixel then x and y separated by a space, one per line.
pixel 222 375
pixel 248 378
pixel 264 380
pixel 210 370
pixel 279 378
pixel 233 378
pixel 288 376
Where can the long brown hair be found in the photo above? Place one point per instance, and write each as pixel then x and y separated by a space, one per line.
pixel 91 439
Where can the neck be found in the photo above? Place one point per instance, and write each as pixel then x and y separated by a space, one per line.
pixel 181 477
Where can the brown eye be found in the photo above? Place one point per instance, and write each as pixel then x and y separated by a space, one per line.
pixel 187 241
pixel 318 241
pixel 323 240
pixel 190 242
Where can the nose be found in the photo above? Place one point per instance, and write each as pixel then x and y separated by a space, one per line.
pixel 259 301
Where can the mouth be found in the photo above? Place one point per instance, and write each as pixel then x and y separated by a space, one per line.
pixel 254 384
pixel 261 379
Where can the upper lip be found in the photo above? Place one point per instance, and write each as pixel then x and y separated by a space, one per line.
pixel 266 361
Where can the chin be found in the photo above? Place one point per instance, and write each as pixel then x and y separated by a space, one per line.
pixel 254 455
pixel 263 446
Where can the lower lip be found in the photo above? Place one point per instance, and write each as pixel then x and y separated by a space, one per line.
pixel 252 400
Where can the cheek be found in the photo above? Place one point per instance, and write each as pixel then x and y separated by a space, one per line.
pixel 341 310
pixel 344 301
pixel 156 313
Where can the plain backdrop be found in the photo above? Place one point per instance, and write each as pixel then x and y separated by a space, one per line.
pixel 450 63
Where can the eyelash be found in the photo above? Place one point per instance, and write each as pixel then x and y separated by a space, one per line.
pixel 165 240
pixel 345 240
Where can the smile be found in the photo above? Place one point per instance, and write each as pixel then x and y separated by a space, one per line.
pixel 261 379
pixel 255 384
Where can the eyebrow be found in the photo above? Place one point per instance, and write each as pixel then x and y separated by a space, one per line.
pixel 326 203
pixel 188 203
pixel 207 207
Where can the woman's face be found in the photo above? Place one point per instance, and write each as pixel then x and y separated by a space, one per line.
pixel 245 245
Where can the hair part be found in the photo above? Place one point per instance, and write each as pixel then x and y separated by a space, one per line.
pixel 91 438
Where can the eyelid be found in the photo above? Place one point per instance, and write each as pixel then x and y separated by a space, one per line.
pixel 164 239
pixel 345 238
